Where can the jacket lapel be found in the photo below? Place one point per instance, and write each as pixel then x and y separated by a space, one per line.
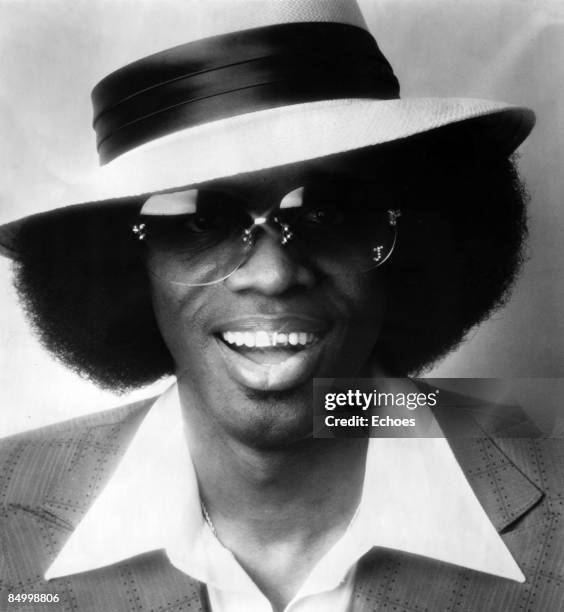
pixel 483 441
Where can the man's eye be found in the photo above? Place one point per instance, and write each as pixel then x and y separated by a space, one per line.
pixel 323 217
pixel 206 222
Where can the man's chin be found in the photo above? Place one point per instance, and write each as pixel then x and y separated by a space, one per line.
pixel 276 419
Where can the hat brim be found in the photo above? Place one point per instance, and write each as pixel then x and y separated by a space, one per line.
pixel 280 136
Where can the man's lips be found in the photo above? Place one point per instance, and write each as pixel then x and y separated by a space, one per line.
pixel 271 352
pixel 286 323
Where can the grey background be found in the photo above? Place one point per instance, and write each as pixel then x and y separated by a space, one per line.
pixel 52 52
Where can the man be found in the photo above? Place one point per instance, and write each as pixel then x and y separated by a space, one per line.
pixel 266 267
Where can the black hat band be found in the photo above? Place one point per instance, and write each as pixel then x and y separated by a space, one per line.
pixel 233 74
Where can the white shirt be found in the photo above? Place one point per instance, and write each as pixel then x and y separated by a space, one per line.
pixel 152 502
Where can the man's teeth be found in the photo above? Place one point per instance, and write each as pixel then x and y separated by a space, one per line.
pixel 262 339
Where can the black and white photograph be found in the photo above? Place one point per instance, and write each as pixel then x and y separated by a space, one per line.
pixel 282 305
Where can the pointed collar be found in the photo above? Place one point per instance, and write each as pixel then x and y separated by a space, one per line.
pixel 154 485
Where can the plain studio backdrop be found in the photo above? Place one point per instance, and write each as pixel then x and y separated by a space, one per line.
pixel 511 50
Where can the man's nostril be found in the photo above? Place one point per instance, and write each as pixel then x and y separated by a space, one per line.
pixel 270 268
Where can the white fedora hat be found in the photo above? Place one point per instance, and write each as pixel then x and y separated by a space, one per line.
pixel 212 92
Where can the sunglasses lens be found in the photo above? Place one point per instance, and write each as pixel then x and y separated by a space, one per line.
pixel 333 225
pixel 352 226
pixel 196 249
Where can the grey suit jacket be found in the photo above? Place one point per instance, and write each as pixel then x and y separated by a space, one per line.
pixel 48 478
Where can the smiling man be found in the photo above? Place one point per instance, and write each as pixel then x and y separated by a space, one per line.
pixel 235 276
pixel 273 213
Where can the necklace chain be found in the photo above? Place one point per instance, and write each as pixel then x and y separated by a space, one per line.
pixel 207 518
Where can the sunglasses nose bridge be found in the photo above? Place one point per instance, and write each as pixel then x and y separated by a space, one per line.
pixel 272 226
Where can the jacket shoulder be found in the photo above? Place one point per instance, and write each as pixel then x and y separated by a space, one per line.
pixel 33 462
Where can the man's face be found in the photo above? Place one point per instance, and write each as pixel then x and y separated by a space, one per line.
pixel 247 348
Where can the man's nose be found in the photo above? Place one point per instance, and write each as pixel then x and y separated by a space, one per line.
pixel 271 269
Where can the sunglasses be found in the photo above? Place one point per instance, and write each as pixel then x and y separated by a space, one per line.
pixel 344 224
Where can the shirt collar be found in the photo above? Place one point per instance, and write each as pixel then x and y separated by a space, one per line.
pixel 153 480
pixel 415 499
